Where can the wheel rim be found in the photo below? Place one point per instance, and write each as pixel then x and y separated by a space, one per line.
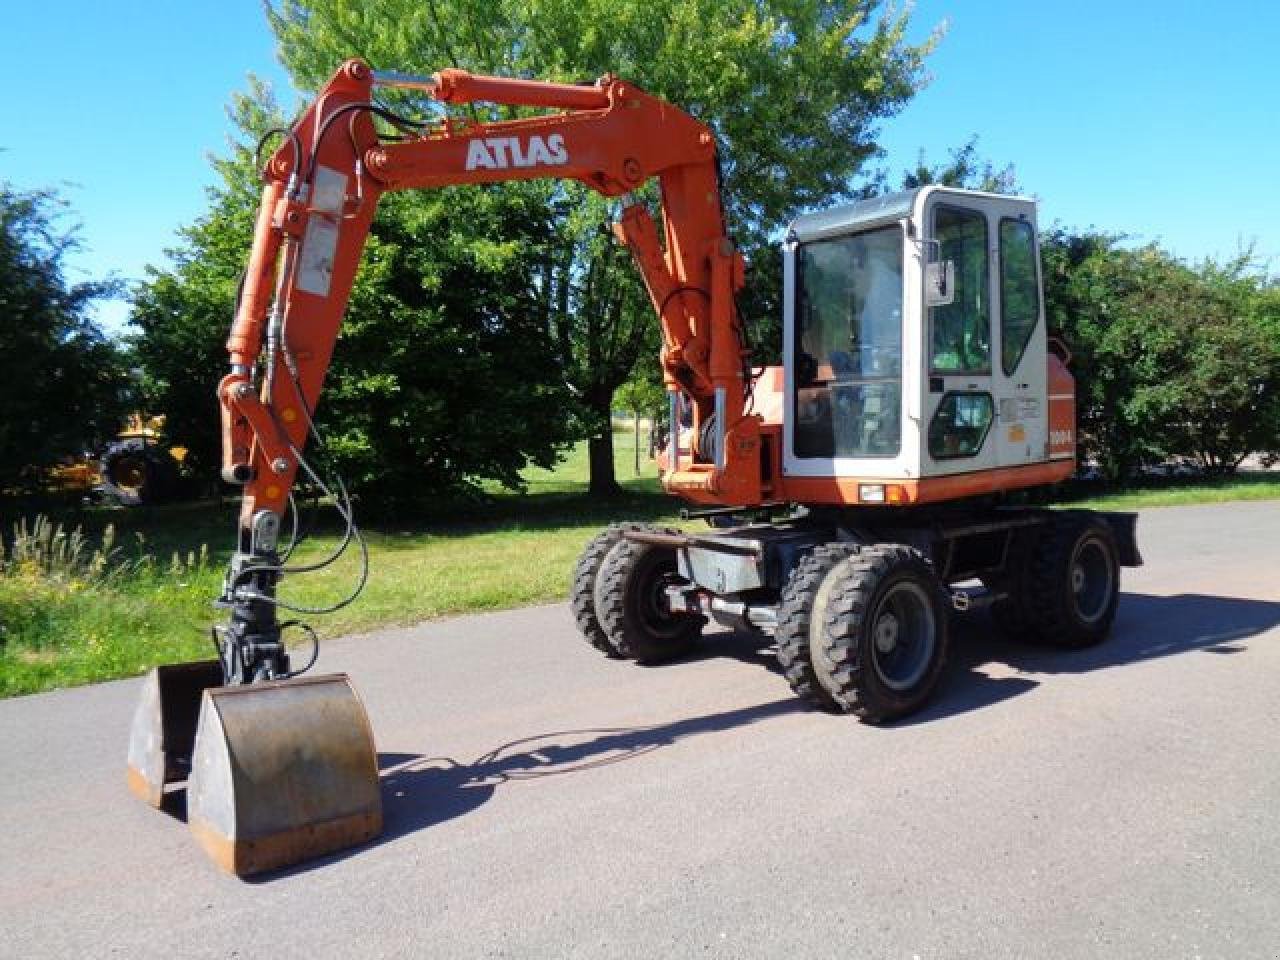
pixel 904 634
pixel 652 608
pixel 129 475
pixel 1092 580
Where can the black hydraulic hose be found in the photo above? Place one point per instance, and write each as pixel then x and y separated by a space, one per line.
pixel 399 122
pixel 293 140
pixel 315 646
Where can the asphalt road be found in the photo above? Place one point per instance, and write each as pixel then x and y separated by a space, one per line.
pixel 1117 802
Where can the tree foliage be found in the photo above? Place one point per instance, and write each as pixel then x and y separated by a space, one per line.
pixel 1170 359
pixel 793 89
pixel 966 168
pixel 62 382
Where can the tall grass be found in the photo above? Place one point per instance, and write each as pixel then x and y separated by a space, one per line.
pixel 77 607
pixel 43 549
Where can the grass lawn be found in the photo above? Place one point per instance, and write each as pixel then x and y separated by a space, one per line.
pixel 1253 486
pixel 514 549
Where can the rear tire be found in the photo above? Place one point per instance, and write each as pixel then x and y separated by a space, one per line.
pixel 1012 614
pixel 582 592
pixel 136 473
pixel 884 634
pixel 631 604
pixel 800 616
pixel 1074 581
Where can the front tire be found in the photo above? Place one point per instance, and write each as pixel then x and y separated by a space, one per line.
pixel 883 641
pixel 801 611
pixel 632 606
pixel 582 592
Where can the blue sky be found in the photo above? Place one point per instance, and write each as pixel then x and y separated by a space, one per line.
pixel 1156 119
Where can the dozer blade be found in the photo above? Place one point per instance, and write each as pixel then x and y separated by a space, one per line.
pixel 282 772
pixel 164 726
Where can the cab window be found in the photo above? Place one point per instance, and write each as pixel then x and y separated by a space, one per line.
pixel 848 346
pixel 960 426
pixel 1019 291
pixel 961 330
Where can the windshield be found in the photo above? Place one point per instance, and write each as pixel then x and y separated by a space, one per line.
pixel 848 346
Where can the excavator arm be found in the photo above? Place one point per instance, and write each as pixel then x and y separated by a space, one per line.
pixel 282 767
pixel 322 187
pixel 321 190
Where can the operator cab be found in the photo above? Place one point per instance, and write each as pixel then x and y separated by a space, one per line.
pixel 915 351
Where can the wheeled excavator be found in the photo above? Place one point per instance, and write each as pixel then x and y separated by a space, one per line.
pixel 855 495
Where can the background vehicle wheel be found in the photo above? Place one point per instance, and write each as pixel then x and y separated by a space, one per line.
pixel 884 633
pixel 582 591
pixel 800 615
pixel 135 473
pixel 1075 581
pixel 632 606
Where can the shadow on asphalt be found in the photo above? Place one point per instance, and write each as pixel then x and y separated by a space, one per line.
pixel 419 791
pixel 1146 628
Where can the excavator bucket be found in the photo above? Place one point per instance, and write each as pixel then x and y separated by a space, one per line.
pixel 282 772
pixel 164 726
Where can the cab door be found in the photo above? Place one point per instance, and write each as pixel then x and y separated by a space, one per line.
pixel 960 391
pixel 1019 372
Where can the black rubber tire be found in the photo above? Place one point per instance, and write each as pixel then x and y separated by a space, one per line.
pixel 135 473
pixel 800 614
pixel 629 606
pixel 1013 615
pixel 846 662
pixel 1074 581
pixel 582 591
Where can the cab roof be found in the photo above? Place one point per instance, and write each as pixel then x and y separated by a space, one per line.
pixel 877 211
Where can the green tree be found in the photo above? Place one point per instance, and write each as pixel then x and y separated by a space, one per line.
pixel 1170 359
pixel 966 169
pixel 63 384
pixel 182 312
pixel 793 89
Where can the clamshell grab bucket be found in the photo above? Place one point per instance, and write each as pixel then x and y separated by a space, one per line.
pixel 282 772
pixel 164 726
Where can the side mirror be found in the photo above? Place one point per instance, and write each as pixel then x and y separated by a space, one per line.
pixel 939 283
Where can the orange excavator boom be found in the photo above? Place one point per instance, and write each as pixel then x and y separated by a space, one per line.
pixel 323 184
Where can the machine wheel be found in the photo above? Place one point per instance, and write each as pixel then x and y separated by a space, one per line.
pixel 135 473
pixel 630 598
pixel 582 592
pixel 1074 581
pixel 883 638
pixel 800 616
